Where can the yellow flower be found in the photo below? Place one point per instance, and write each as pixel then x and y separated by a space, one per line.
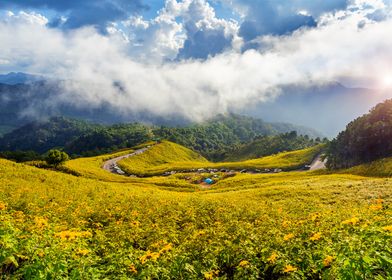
pixel 40 222
pixel 285 224
pixel 200 233
pixel 288 237
pixel 149 256
pixel 387 228
pixel 3 206
pixel 72 235
pixel 82 252
pixel 166 248
pixel 316 236
pixel 313 217
pixel 243 263
pixel 379 201
pixel 210 275
pixel 375 207
pixel 132 269
pixel 290 268
pixel 353 221
pixel 328 260
pixel 135 223
pixel 273 258
pixel 40 254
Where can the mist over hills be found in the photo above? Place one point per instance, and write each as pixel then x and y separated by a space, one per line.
pixel 324 107
pixel 327 108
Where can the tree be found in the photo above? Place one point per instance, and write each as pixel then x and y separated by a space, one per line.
pixel 56 157
pixel 365 139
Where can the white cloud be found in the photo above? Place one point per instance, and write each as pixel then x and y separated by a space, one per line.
pixel 25 18
pixel 4 61
pixel 163 37
pixel 90 64
pixel 155 40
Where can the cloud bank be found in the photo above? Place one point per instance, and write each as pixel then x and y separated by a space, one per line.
pixel 75 13
pixel 135 74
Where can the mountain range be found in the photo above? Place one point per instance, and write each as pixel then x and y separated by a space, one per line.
pixel 326 108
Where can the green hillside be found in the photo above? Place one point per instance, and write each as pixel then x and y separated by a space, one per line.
pixel 268 145
pixel 365 139
pixel 155 162
pixel 377 168
pixel 212 138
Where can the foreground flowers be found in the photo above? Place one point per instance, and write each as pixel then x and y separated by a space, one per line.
pixel 289 268
pixel 72 235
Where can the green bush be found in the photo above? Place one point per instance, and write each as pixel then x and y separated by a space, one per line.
pixel 56 157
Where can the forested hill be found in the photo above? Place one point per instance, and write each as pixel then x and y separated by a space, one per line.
pixel 271 144
pixel 365 139
pixel 212 138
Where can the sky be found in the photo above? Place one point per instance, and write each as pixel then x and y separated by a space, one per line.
pixel 195 58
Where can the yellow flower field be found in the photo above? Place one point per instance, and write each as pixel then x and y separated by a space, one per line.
pixel 99 225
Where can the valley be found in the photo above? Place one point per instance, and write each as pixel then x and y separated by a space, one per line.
pixel 195 140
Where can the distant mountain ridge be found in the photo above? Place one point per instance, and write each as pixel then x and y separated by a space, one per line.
pixel 14 78
pixel 326 107
pixel 211 138
pixel 21 104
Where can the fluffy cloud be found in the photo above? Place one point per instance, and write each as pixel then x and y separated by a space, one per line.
pixel 155 40
pixel 270 17
pixel 206 34
pixel 81 13
pixel 96 69
pixel 181 30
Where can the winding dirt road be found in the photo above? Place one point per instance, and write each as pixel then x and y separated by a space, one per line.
pixel 317 164
pixel 111 164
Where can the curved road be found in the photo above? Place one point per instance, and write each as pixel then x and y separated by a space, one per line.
pixel 317 164
pixel 111 164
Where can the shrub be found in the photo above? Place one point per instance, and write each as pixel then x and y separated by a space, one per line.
pixel 56 157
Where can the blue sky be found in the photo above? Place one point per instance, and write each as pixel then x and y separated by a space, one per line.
pixel 206 27
pixel 253 18
pixel 174 55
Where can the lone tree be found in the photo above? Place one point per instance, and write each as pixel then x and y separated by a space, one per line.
pixel 56 157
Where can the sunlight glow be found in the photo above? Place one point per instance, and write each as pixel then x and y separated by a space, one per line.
pixel 387 81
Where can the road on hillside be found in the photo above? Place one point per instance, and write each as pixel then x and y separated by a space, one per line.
pixel 111 164
pixel 317 164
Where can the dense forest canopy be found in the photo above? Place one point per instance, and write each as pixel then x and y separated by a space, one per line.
pixel 271 144
pixel 365 139
pixel 214 139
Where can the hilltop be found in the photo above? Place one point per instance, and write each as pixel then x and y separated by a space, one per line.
pixel 166 156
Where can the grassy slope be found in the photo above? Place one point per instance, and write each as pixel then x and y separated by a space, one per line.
pixel 378 168
pixel 266 145
pixel 135 230
pixel 91 167
pixel 168 156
